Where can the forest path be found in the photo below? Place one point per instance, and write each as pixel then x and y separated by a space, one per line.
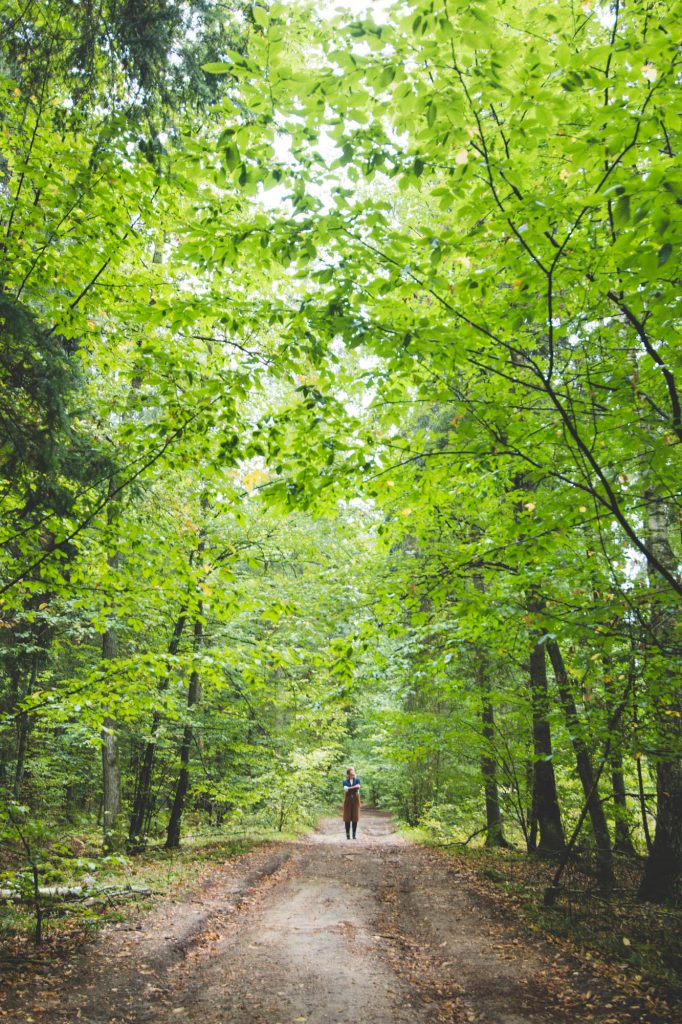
pixel 322 931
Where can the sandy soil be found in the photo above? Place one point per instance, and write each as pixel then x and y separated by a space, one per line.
pixel 322 931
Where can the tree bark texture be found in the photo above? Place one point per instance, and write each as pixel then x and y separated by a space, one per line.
pixel 23 729
pixel 182 786
pixel 111 777
pixel 493 816
pixel 545 798
pixel 662 879
pixel 600 828
pixel 622 838
pixel 111 769
pixel 642 806
pixel 142 800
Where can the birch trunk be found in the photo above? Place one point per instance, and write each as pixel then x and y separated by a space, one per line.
pixel 662 879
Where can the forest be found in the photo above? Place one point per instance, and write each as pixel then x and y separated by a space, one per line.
pixel 340 423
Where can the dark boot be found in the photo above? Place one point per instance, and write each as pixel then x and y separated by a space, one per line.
pixel 347 824
pixel 355 829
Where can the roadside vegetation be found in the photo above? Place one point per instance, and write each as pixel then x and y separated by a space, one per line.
pixel 340 420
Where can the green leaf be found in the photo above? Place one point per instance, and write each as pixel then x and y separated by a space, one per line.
pixel 217 68
pixel 386 76
pixel 260 16
pixel 231 157
pixel 664 253
pixel 621 211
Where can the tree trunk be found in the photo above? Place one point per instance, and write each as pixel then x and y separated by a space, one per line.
pixel 622 839
pixel 111 774
pixel 642 805
pixel 193 697
pixel 532 836
pixel 111 771
pixel 493 817
pixel 545 798
pixel 662 879
pixel 140 813
pixel 585 769
pixel 143 790
pixel 23 729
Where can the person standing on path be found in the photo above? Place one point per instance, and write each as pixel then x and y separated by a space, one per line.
pixel 351 802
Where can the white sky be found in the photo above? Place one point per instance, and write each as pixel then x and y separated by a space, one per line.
pixel 360 8
pixel 273 198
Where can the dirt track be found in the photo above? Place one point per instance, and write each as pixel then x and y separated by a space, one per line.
pixel 323 931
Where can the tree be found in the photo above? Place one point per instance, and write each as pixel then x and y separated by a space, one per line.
pixel 530 251
pixel 341 392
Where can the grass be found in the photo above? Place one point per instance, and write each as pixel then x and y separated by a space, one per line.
pixel 76 859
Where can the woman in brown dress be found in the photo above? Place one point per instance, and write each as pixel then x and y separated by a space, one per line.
pixel 351 802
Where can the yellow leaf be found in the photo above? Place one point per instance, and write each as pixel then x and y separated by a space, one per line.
pixel 254 479
pixel 406 512
pixel 626 942
pixel 649 72
pixel 582 509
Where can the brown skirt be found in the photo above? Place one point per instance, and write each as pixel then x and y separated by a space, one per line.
pixel 351 807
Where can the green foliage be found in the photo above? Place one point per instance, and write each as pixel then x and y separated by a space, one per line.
pixel 338 375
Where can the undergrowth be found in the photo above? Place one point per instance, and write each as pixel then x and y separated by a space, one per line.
pixel 111 887
pixel 620 935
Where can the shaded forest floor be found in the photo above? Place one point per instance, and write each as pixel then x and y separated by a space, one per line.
pixel 630 941
pixel 324 931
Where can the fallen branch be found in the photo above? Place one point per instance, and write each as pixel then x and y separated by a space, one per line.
pixel 464 842
pixel 74 893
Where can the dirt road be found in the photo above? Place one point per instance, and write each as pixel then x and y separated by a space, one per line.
pixel 322 931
